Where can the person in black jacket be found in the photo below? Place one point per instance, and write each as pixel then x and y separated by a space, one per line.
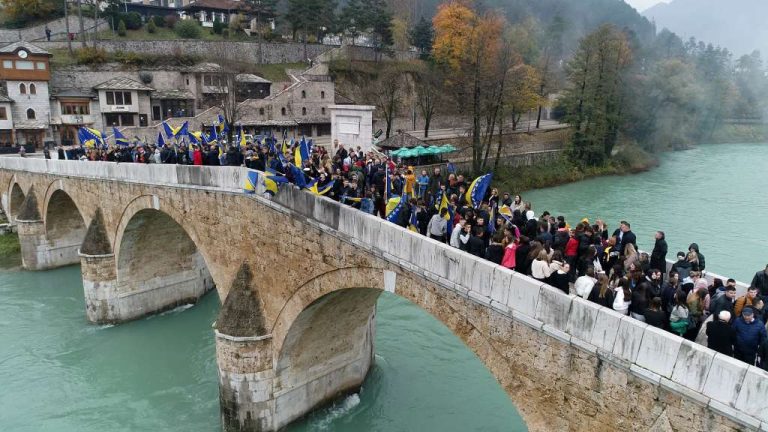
pixel 625 236
pixel 654 315
pixel 495 250
pixel 475 245
pixel 720 335
pixel 761 281
pixel 695 248
pixel 659 254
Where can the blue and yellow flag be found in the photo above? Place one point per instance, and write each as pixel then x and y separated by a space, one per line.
pixel 170 131
pixel 321 190
pixel 272 180
pixel 242 138
pixel 182 131
pixel 394 208
pixel 477 189
pixel 213 138
pixel 90 137
pixel 195 138
pixel 251 182
pixel 120 139
pixel 301 153
pixel 221 125
pixel 298 176
pixel 160 140
pixel 387 185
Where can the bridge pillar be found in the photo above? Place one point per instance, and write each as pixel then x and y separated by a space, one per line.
pixel 34 251
pixel 326 354
pixel 100 288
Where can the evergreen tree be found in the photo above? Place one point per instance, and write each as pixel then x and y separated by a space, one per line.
pixel 421 37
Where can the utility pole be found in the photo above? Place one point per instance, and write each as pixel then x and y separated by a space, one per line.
pixel 66 21
pixel 82 27
pixel 258 28
pixel 95 22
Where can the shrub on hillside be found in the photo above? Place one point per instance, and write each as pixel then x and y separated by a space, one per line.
pixel 132 20
pixel 218 26
pixel 187 29
pixel 225 33
pixel 90 55
pixel 158 20
pixel 121 28
pixel 151 27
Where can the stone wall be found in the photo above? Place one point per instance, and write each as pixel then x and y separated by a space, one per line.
pixel 241 51
pixel 58 30
pixel 566 363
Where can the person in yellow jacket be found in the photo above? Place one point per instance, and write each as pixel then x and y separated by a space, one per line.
pixel 410 184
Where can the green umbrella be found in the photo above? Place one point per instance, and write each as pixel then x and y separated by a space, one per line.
pixel 448 148
pixel 397 152
pixel 406 153
pixel 434 150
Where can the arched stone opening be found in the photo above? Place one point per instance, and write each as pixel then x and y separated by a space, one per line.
pixel 64 227
pixel 14 204
pixel 326 353
pixel 159 267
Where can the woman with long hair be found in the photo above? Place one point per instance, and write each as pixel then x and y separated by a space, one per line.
pixel 540 268
pixel 602 293
pixel 630 256
pixel 623 297
pixel 678 319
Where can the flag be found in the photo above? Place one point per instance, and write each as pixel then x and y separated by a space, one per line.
pixel 213 138
pixel 413 222
pixel 492 222
pixel 90 137
pixel 298 177
pixel 170 131
pixel 394 209
pixel 183 130
pixel 321 190
pixel 477 189
pixel 160 140
pixel 221 125
pixel 301 153
pixel 444 204
pixel 120 139
pixel 272 180
pixel 251 182
pixel 242 138
pixel 195 138
pixel 387 185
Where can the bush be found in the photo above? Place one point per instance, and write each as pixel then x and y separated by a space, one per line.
pixel 128 57
pixel 187 29
pixel 121 28
pixel 151 27
pixel 132 20
pixel 218 26
pixel 171 20
pixel 90 55
pixel 158 20
pixel 225 33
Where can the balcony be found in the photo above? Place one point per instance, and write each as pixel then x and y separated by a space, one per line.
pixel 77 119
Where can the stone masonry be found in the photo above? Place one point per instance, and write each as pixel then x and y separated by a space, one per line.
pixel 567 364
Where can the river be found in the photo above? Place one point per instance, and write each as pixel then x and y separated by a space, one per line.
pixel 58 373
pixel 713 195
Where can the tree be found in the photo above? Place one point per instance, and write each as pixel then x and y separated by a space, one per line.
pixel 349 21
pixel 151 26
pixel 522 92
pixel 428 83
pixel 549 60
pixel 470 49
pixel 594 97
pixel 187 29
pixel 310 17
pixel 121 28
pixel 386 91
pixel 218 26
pixel 422 36
pixel 20 12
pixel 400 34
pixel 378 18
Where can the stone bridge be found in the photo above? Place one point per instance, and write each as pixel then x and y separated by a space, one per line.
pixel 299 275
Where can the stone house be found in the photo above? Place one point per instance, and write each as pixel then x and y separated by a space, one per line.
pixel 124 102
pixel 71 109
pixel 24 77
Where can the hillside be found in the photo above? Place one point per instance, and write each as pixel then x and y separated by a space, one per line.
pixel 738 25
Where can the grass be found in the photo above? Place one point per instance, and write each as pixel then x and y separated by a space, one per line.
pixel 629 160
pixel 276 72
pixel 9 245
pixel 162 33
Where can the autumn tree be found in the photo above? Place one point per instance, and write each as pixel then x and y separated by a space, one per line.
pixel 20 12
pixel 468 47
pixel 594 98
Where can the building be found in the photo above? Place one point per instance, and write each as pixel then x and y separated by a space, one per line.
pixel 24 77
pixel 208 11
pixel 124 102
pixel 72 109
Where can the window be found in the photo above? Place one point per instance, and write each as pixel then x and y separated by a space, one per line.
pixel 119 119
pixel 74 108
pixel 119 98
pixel 261 111
pixel 7 64
pixel 3 114
pixel 25 65
pixel 303 111
pixel 322 110
pixel 30 114
pixel 282 110
pixel 32 89
pixel 40 65
pixel 187 81
pixel 22 88
pixel 322 95
pixel 212 81
pixel 303 94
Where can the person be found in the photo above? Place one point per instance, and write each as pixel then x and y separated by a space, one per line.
pixel 47 33
pixel 631 257
pixel 602 293
pixel 423 181
pixel 720 335
pixel 474 244
pixel 510 254
pixel 678 319
pixel 659 254
pixel 654 315
pixel 724 302
pixel 438 225
pixel 585 283
pixel 410 184
pixel 695 248
pixel 495 251
pixel 540 268
pixel 22 151
pixel 639 302
pixel 760 281
pixel 746 300
pixel 682 266
pixel 625 236
pixel 749 333
pixel 559 278
pixel 623 297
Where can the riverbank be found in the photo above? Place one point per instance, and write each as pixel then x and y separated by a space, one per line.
pixel 629 160
pixel 10 250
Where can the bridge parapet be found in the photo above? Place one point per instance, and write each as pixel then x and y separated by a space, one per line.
pixel 537 341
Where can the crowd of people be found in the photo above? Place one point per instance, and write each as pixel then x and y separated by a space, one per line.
pixel 583 258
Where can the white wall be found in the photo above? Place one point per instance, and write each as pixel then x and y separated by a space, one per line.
pixel 40 102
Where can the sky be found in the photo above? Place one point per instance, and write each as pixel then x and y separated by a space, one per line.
pixel 642 5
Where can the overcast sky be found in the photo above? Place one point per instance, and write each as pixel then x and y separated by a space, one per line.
pixel 642 5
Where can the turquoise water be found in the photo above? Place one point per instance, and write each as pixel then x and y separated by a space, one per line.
pixel 713 195
pixel 59 373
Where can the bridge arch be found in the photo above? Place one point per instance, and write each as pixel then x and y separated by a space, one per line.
pixel 65 224
pixel 16 197
pixel 158 262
